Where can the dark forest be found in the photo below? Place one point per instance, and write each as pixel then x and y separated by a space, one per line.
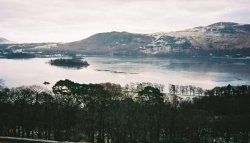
pixel 110 113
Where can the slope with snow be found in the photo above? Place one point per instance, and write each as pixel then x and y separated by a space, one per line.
pixel 5 41
pixel 217 36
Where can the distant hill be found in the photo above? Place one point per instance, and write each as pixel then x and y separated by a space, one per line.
pixel 114 42
pixel 217 36
pixel 218 39
pixel 4 41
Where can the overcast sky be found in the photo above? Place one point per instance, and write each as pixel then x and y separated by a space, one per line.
pixel 71 20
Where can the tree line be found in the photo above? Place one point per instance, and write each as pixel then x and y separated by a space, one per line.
pixel 137 113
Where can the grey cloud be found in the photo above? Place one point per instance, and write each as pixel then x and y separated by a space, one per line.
pixel 69 20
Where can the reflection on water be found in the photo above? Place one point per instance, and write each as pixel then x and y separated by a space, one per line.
pixel 113 71
pixel 127 70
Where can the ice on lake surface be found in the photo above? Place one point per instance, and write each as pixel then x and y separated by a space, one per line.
pixel 127 70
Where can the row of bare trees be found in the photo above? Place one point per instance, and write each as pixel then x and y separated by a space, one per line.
pixel 135 113
pixel 187 90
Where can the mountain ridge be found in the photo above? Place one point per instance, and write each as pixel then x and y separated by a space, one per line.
pixel 219 38
pixel 110 41
pixel 5 41
pixel 220 35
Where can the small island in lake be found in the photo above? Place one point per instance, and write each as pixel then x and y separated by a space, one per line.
pixel 69 63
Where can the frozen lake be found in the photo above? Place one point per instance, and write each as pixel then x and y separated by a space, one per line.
pixel 127 70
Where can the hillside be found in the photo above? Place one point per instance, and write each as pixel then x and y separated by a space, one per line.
pixel 218 39
pixel 120 42
pixel 218 36
pixel 4 41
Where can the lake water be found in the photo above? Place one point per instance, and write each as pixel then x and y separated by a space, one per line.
pixel 127 70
